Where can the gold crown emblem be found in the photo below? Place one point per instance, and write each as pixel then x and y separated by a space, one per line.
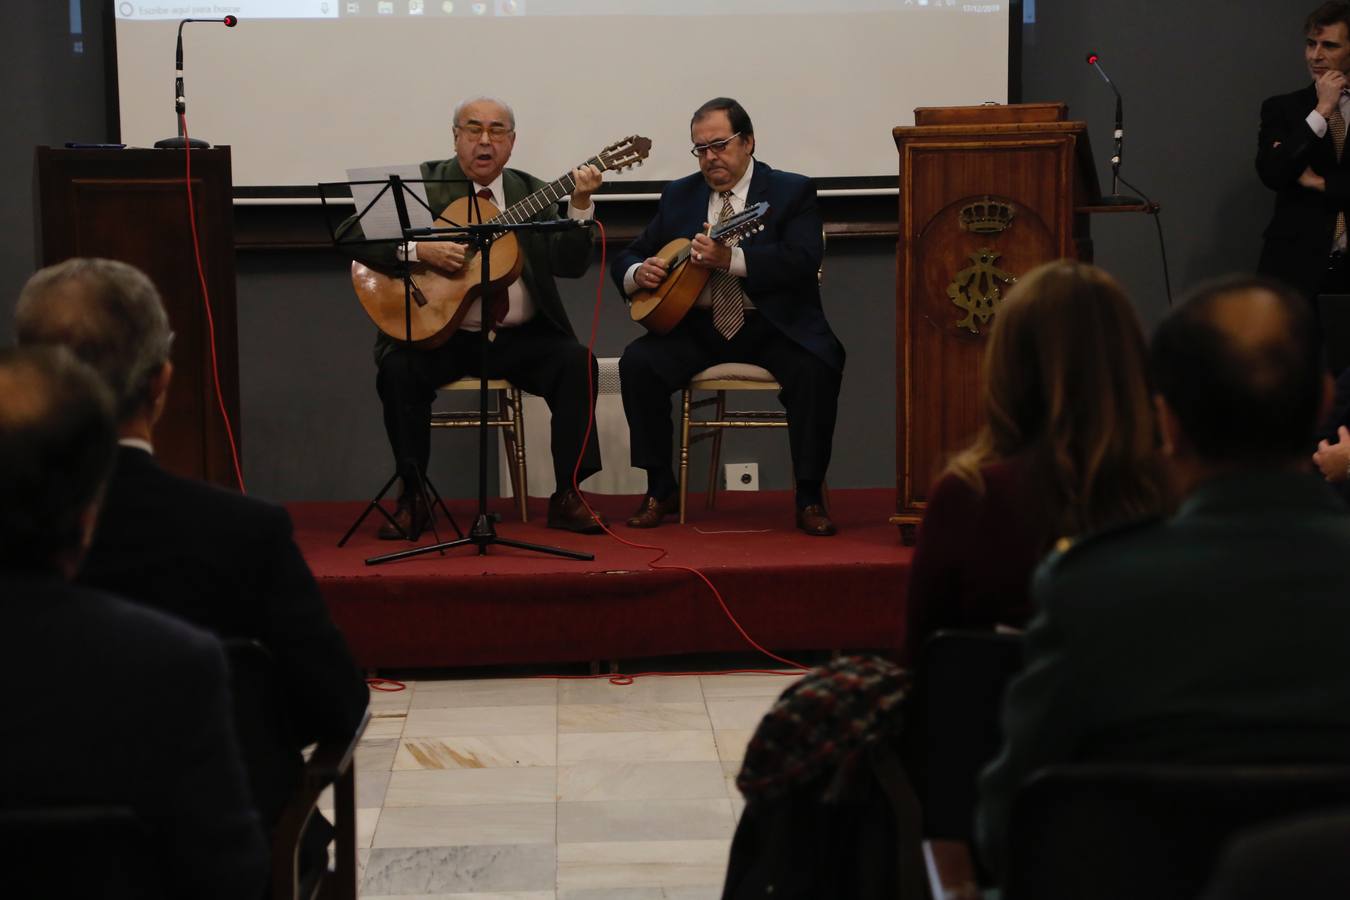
pixel 987 216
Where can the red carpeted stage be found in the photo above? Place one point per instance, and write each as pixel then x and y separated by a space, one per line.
pixel 789 591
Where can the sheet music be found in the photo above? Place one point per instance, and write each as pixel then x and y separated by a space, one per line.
pixel 381 222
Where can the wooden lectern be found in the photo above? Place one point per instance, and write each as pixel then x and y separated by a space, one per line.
pixel 986 193
pixel 132 205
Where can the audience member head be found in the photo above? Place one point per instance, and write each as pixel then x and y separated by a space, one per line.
pixel 1328 14
pixel 1238 375
pixel 57 441
pixel 1065 384
pixel 110 315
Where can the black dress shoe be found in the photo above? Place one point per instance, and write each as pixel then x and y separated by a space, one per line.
pixel 651 511
pixel 566 511
pixel 815 521
pixel 410 520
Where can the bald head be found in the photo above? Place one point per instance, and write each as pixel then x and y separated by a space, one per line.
pixel 1239 364
pixel 57 441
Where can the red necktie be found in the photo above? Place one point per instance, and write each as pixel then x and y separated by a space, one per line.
pixel 497 304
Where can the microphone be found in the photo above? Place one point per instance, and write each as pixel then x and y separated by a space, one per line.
pixel 179 98
pixel 1115 198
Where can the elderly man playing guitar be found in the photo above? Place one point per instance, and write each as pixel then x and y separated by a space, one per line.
pixel 761 305
pixel 533 344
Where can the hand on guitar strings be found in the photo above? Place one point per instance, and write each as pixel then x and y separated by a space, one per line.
pixel 651 273
pixel 587 179
pixel 708 253
pixel 447 256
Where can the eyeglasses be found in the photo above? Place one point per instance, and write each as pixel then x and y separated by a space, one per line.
pixel 715 147
pixel 494 132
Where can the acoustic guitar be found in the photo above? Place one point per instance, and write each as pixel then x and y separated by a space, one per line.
pixel 440 299
pixel 663 307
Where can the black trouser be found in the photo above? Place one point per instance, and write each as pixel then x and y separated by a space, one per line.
pixel 535 357
pixel 656 365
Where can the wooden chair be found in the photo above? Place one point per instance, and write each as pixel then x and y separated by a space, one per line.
pixel 90 852
pixel 1127 831
pixel 720 379
pixel 259 721
pixel 509 416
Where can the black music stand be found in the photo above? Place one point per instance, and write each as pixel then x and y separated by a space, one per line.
pixel 480 237
pixel 398 188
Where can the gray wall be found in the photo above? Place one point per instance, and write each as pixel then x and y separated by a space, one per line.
pixel 1193 75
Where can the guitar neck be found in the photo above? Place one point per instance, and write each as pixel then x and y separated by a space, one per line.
pixel 548 195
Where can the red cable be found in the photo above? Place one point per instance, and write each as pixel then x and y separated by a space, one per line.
pixel 661 552
pixel 206 302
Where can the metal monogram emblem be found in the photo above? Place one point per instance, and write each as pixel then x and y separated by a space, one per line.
pixel 978 289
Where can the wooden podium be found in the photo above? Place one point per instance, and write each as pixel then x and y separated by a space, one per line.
pixel 986 193
pixel 132 205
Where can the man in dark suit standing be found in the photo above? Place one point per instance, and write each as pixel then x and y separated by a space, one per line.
pixel 1216 635
pixel 215 558
pixel 533 344
pixel 1300 155
pixel 121 705
pixel 761 306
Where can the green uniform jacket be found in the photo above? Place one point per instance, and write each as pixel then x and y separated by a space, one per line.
pixel 1217 636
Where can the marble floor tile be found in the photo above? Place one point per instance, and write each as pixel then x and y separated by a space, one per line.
pixel 731 743
pixel 638 864
pixel 721 687
pixel 471 752
pixel 738 712
pixel 370 790
pixel 446 826
pixel 652 689
pixel 485 692
pixel 597 717
pixel 463 787
pixel 637 746
pixel 603 780
pixel 438 870
pixel 367 820
pixel 642 820
pixel 670 892
pixel 384 725
pixel 391 701
pixel 481 720
pixel 376 755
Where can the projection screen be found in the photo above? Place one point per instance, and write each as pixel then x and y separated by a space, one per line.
pixel 302 90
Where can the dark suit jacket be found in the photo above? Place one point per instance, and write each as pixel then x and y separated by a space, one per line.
pixel 781 262
pixel 565 254
pixel 228 563
pixel 1218 636
pixel 1298 238
pixel 122 705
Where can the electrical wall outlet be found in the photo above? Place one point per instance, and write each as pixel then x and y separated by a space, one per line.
pixel 742 476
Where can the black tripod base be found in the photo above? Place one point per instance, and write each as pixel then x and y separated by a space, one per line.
pixel 482 535
pixel 178 143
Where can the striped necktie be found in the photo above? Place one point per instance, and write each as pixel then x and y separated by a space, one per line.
pixel 498 304
pixel 1336 125
pixel 728 297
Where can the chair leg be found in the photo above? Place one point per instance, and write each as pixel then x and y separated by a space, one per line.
pixel 522 481
pixel 715 457
pixel 684 450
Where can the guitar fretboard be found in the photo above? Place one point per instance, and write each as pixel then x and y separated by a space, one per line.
pixel 548 195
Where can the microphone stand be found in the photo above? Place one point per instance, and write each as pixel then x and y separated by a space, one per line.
pixel 483 534
pixel 1115 198
pixel 180 99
